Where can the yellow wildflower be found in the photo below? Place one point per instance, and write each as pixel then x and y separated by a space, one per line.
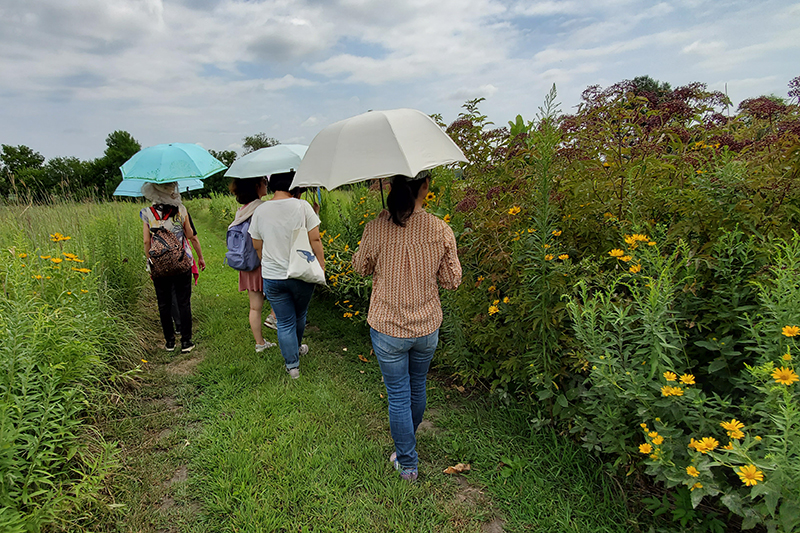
pixel 492 288
pixel 696 486
pixel 514 210
pixel 785 376
pixel 645 448
pixel 563 257
pixel 791 331
pixel 728 446
pixel 653 434
pixel 643 426
pixel 687 379
pixel 44 256
pixel 616 252
pixel 670 376
pixel 786 357
pixel 22 255
pixel 56 260
pixel 549 257
pixel 506 300
pixel 733 425
pixel 692 471
pixel 625 258
pixel 493 309
pixel 430 197
pixel 706 444
pixel 658 440
pixel 634 269
pixel 557 232
pixel 651 243
pixel 750 475
pixel 446 219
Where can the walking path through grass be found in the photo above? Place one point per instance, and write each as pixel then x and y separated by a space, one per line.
pixel 223 440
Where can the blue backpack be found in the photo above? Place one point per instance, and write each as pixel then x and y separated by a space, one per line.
pixel 241 255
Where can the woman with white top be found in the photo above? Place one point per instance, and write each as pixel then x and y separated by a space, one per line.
pixel 271 228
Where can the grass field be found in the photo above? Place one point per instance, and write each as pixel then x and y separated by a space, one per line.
pixel 223 440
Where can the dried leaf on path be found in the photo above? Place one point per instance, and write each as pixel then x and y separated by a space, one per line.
pixel 362 358
pixel 458 469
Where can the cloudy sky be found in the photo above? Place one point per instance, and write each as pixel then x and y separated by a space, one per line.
pixel 214 71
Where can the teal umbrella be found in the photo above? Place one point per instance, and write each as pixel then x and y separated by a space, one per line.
pixel 133 187
pixel 164 163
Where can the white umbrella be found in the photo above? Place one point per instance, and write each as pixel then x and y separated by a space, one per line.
pixel 268 161
pixel 376 144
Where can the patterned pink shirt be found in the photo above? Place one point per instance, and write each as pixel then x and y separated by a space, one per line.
pixel 408 264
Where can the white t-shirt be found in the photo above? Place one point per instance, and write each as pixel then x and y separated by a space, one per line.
pixel 273 222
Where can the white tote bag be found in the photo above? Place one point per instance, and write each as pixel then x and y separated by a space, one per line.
pixel 303 263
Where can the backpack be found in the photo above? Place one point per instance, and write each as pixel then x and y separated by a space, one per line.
pixel 241 255
pixel 167 254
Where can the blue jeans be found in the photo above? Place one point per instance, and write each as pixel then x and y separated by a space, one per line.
pixel 404 364
pixel 289 299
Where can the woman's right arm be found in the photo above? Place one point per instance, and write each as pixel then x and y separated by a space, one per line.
pixel 146 238
pixel 364 259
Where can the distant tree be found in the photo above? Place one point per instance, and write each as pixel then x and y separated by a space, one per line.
pixel 218 182
pixel 646 84
pixel 251 143
pixel 15 160
pixel 105 174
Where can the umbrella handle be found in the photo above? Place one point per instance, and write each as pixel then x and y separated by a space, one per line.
pixel 383 202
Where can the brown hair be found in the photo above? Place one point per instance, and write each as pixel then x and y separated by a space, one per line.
pixel 403 196
pixel 245 189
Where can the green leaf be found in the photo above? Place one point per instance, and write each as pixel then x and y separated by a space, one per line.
pixel 697 497
pixel 717 364
pixel 733 502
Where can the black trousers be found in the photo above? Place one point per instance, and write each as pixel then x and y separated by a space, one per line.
pixel 182 286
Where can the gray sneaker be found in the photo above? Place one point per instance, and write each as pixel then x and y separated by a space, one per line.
pixel 303 349
pixel 262 347
pixel 294 373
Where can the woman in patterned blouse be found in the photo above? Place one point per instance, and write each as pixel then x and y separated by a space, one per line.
pixel 409 253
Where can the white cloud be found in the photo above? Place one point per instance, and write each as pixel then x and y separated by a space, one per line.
pixel 202 70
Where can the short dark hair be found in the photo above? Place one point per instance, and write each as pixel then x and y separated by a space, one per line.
pixel 281 181
pixel 245 189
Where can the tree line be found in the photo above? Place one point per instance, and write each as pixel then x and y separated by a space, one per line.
pixel 26 175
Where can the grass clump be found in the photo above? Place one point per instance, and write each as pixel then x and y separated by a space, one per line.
pixel 63 333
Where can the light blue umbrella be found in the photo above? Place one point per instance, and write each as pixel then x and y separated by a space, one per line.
pixel 268 161
pixel 133 187
pixel 164 163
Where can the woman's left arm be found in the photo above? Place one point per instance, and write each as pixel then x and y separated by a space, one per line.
pixel 316 246
pixel 190 234
pixel 449 273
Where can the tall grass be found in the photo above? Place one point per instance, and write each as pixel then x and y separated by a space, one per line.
pixel 70 274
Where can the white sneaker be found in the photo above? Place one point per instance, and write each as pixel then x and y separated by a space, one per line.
pixel 262 347
pixel 294 373
pixel 303 349
pixel 271 322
